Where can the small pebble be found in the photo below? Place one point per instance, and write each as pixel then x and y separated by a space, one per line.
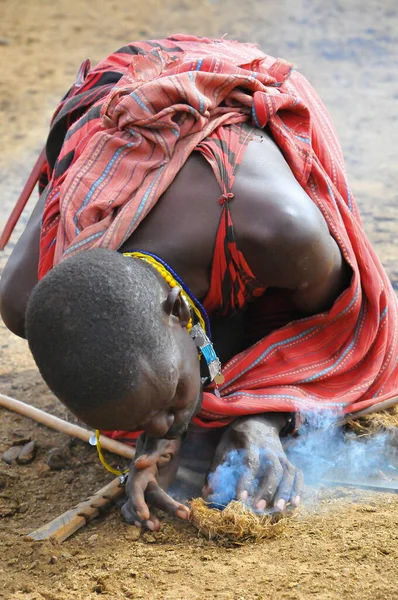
pixel 43 471
pixel 27 453
pixel 133 533
pixel 57 459
pixel 11 455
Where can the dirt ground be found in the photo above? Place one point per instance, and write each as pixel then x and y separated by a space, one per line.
pixel 344 544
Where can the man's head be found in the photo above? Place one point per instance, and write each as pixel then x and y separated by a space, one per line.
pixel 109 337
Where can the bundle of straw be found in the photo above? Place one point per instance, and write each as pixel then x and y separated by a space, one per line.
pixel 376 422
pixel 236 523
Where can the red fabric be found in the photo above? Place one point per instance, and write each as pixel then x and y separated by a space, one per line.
pixel 232 283
pixel 162 108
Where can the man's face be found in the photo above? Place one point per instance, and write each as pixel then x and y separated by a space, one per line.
pixel 159 408
pixel 169 414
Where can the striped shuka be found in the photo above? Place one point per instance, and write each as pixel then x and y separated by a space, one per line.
pixel 119 139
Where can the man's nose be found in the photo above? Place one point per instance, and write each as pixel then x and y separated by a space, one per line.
pixel 159 425
pixel 183 416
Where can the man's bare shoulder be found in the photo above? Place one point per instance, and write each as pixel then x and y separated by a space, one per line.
pixel 281 231
pixel 266 192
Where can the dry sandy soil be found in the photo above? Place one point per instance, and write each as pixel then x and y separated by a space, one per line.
pixel 345 545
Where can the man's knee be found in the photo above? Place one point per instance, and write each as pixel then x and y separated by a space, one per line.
pixel 12 306
pixel 20 273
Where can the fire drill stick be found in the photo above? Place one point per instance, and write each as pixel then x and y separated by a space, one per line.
pixel 63 526
pixel 60 425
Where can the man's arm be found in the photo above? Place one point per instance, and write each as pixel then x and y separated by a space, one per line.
pixel 20 273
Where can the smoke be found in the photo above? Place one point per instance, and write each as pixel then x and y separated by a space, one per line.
pixel 224 480
pixel 325 452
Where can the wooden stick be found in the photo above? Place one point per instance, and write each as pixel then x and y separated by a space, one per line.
pixel 63 526
pixel 60 425
pixel 22 200
pixel 385 405
pixel 60 528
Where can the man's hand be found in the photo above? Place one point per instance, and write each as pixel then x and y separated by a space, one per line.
pixel 154 468
pixel 259 470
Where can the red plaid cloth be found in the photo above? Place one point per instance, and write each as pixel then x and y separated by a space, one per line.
pixel 120 156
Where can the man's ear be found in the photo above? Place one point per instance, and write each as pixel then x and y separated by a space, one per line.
pixel 176 305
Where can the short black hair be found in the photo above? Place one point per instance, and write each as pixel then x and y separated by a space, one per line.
pixel 89 320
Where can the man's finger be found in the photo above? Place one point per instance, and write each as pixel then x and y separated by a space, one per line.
pixel 298 486
pixel 137 495
pixel 206 491
pixel 157 497
pixel 269 484
pixel 284 491
pixel 152 523
pixel 248 480
pixel 146 460
pixel 131 517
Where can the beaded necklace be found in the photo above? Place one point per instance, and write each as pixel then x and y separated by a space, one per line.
pixel 174 280
pixel 199 332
